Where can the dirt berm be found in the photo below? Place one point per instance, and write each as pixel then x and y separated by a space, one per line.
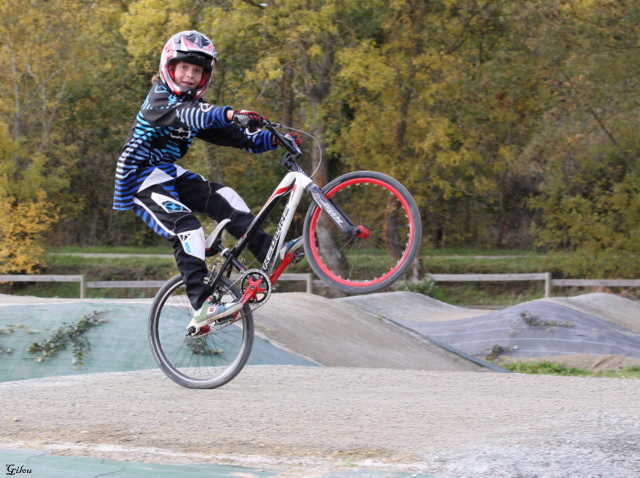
pixel 337 334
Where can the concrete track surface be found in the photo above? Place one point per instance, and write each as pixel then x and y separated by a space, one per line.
pixel 369 406
pixel 338 334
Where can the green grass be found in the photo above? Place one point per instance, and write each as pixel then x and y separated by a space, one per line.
pixel 490 294
pixel 61 264
pixel 111 250
pixel 102 269
pixel 441 261
pixel 475 264
pixel 552 368
pixel 479 252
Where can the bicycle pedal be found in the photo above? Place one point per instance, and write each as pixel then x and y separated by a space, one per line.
pixel 224 320
pixel 192 332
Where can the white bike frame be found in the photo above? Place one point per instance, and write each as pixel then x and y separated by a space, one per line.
pixel 296 183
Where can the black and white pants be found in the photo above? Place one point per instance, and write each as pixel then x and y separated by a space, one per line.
pixel 168 209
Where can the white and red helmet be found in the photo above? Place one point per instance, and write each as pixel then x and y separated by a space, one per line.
pixel 193 47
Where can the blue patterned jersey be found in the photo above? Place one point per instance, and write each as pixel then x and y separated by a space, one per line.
pixel 162 134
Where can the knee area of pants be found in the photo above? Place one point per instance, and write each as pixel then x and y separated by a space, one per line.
pixel 189 223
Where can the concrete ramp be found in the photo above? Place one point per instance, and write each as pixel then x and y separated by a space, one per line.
pixel 532 330
pixel 609 307
pixel 410 306
pixel 336 333
pixel 588 325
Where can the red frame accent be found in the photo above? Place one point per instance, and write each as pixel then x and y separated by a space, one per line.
pixel 277 192
pixel 253 289
pixel 275 275
pixel 364 233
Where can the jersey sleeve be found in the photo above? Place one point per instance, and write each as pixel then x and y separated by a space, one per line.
pixel 163 108
pixel 236 137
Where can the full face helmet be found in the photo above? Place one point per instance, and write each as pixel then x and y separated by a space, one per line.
pixel 192 47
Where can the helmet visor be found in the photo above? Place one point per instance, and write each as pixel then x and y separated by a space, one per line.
pixel 194 58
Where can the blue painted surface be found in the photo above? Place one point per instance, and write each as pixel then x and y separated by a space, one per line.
pixel 44 465
pixel 119 345
pixel 40 464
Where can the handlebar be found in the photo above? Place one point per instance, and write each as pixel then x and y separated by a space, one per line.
pixel 288 144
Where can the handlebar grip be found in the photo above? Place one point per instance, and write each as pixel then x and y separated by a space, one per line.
pixel 281 138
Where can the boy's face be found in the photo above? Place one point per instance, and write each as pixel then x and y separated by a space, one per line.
pixel 187 75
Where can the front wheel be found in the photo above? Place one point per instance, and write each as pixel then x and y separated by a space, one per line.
pixel 391 230
pixel 207 361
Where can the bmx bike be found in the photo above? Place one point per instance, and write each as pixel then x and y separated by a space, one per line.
pixel 361 233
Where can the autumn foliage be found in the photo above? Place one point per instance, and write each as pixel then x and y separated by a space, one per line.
pixel 514 124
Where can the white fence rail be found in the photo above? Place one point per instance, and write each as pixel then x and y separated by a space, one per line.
pixel 107 284
pixel 549 282
pixel 310 280
pixel 128 284
pixel 47 278
pixel 545 276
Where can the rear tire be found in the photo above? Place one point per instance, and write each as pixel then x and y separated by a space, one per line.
pixel 381 256
pixel 209 361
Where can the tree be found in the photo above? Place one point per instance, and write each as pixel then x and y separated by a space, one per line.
pixel 497 115
pixel 443 123
pixel 281 58
pixel 587 139
pixel 26 213
pixel 39 45
pixel 100 107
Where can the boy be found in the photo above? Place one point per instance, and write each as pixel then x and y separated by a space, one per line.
pixel 165 195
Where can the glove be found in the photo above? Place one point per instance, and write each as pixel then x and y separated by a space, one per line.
pixel 248 119
pixel 291 135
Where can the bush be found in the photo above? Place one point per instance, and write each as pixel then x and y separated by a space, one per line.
pixel 426 286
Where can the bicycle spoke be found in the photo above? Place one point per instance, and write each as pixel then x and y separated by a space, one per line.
pixel 389 241
pixel 205 361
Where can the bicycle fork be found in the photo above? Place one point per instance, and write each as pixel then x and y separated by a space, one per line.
pixel 322 201
pixel 334 212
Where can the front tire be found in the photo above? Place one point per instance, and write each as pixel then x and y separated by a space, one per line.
pixel 209 361
pixel 392 230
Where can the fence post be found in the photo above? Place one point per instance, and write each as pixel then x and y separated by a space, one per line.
pixel 547 284
pixel 309 283
pixel 83 287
